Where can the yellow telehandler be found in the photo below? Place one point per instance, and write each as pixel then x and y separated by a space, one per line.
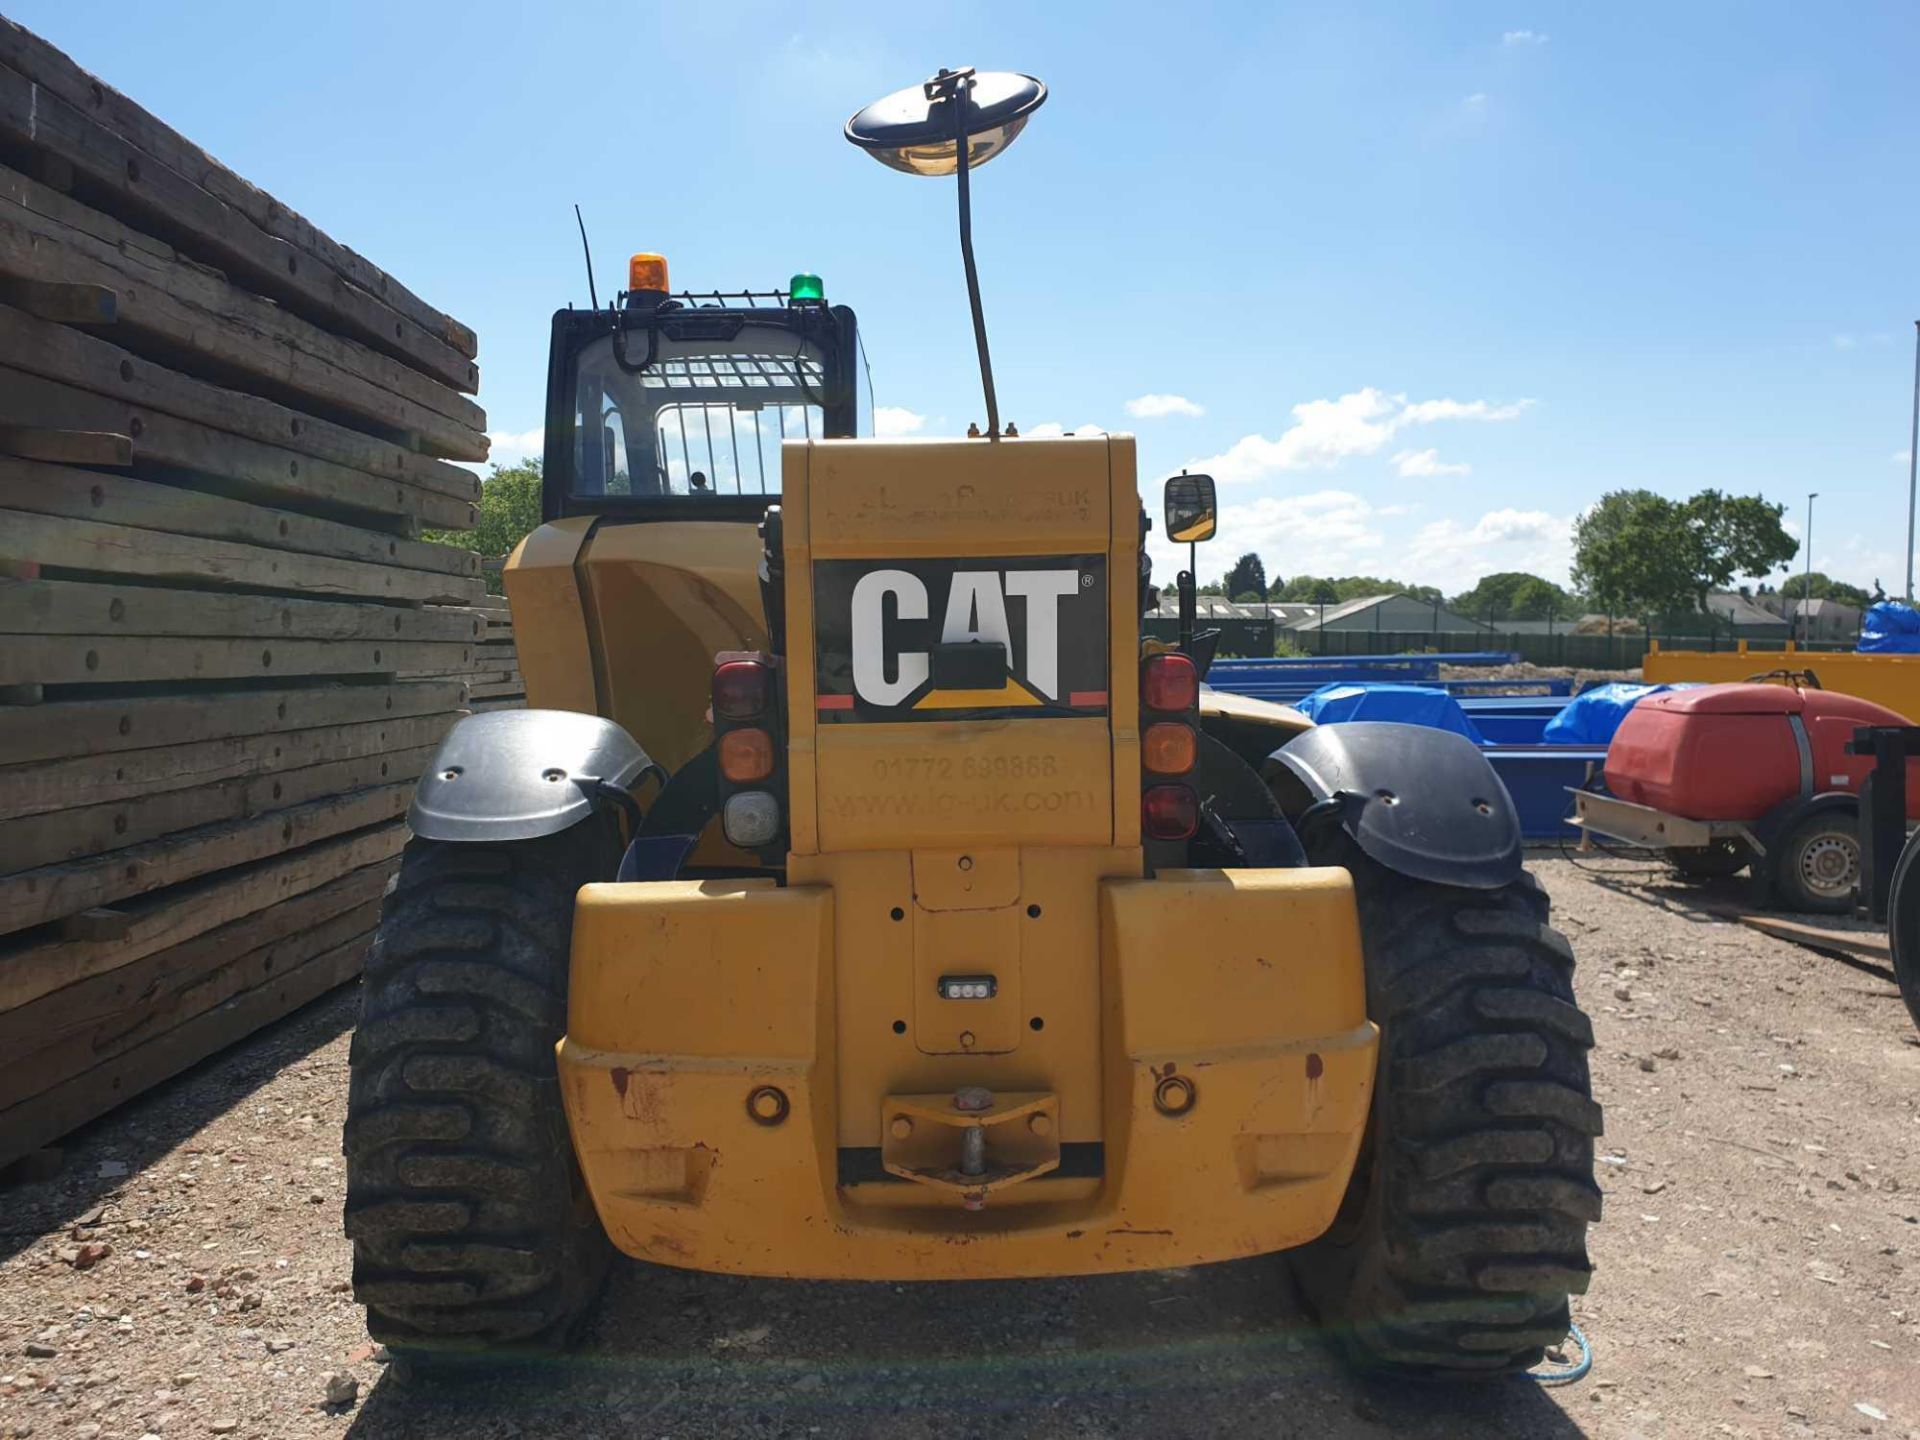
pixel 866 899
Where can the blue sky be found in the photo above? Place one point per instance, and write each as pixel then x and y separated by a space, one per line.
pixel 1424 280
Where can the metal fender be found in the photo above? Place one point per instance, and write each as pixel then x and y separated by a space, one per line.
pixel 519 774
pixel 1421 802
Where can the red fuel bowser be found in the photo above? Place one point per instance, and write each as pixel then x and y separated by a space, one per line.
pixel 1728 777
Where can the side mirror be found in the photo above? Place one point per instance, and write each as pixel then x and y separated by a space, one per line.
pixel 1191 509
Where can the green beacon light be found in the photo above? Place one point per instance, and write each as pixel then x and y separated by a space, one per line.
pixel 805 289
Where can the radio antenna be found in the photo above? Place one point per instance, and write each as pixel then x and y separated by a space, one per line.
pixel 592 297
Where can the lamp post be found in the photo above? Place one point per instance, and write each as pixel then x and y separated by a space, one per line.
pixel 951 125
pixel 1806 591
pixel 1913 456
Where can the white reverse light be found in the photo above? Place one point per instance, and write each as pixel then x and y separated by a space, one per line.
pixel 967 987
pixel 751 819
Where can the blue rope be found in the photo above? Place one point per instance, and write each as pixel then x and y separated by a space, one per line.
pixel 1573 1372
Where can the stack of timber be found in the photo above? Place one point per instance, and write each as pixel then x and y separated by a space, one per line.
pixel 495 682
pixel 225 651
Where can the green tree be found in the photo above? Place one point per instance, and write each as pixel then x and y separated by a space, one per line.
pixel 1247 580
pixel 509 509
pixel 1332 590
pixel 1639 553
pixel 1819 587
pixel 1513 595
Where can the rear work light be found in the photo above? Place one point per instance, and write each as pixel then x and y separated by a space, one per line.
pixel 1170 812
pixel 1169 682
pixel 742 689
pixel 750 819
pixel 1168 748
pixel 746 755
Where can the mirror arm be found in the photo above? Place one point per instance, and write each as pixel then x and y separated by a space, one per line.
pixel 1188 605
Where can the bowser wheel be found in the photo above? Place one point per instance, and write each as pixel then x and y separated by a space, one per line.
pixel 1816 864
pixel 471 1227
pixel 1463 1231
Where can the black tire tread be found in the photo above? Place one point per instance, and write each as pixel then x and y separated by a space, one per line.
pixel 462 1191
pixel 1465 1231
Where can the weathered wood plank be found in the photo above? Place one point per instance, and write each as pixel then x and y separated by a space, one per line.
pixel 59 1049
pixel 1866 944
pixel 36 965
pixel 54 1112
pixel 50 68
pixel 201 318
pixel 251 468
pixel 79 607
pixel 122 550
pixel 59 1013
pixel 130 659
pixel 179 510
pixel 66 447
pixel 90 727
pixel 495 691
pixel 55 837
pixel 33 897
pixel 90 781
pixel 61 303
pixel 93 362
pixel 117 177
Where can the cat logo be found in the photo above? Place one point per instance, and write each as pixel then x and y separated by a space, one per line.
pixel 956 639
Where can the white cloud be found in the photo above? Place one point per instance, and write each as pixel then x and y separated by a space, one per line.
pixel 1520 39
pixel 1844 342
pixel 1453 555
pixel 1158 407
pixel 1425 465
pixel 509 447
pixel 1475 103
pixel 896 420
pixel 1326 432
pixel 1053 430
pixel 1901 457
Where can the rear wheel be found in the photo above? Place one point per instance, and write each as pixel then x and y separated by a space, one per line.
pixel 1464 1228
pixel 1816 864
pixel 471 1228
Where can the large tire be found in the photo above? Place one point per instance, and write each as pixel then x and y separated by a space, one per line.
pixel 1464 1229
pixel 471 1228
pixel 1816 864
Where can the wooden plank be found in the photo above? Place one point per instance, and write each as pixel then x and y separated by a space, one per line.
pixel 33 897
pixel 494 692
pixel 212 328
pixel 91 727
pixel 55 837
pixel 83 781
pixel 160 996
pixel 59 1013
pixel 122 550
pixel 36 965
pixel 251 469
pixel 93 362
pixel 130 659
pixel 49 68
pixel 179 510
pixel 61 303
pixel 66 447
pixel 117 177
pixel 54 1112
pixel 1868 944
pixel 80 607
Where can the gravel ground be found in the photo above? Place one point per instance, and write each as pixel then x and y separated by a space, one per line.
pixel 185 1275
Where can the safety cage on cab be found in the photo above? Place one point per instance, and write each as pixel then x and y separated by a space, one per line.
pixel 676 406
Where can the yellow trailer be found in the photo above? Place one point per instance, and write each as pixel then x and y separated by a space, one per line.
pixel 1889 680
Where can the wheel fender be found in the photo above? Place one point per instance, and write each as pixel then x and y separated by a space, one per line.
pixel 520 774
pixel 1789 813
pixel 1424 803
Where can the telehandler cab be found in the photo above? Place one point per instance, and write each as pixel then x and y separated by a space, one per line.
pixel 866 899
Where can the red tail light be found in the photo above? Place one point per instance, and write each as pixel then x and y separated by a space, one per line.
pixel 742 689
pixel 1169 682
pixel 1170 812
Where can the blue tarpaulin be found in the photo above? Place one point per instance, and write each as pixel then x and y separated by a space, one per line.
pixel 1404 704
pixel 1591 717
pixel 1890 628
